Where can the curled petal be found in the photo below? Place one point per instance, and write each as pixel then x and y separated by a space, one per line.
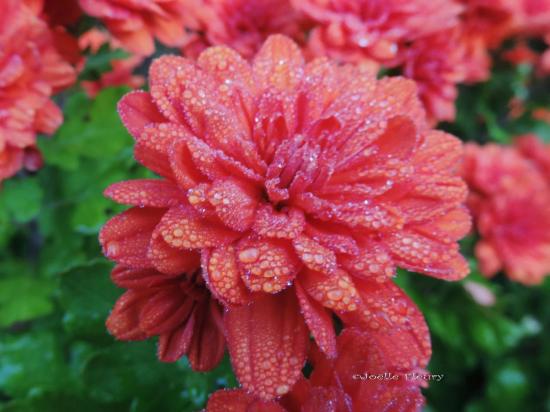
pixel 223 277
pixel 125 238
pixel 267 342
pixel 267 265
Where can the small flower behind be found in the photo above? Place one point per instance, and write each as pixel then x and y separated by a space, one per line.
pixel 302 187
pixel 31 71
pixel 510 201
pixel 136 24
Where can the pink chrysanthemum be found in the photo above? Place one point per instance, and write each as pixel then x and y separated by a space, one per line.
pixel 354 31
pixel 485 24
pixel 437 64
pixel 240 24
pixel 303 186
pixel 136 24
pixel 31 70
pixel 510 201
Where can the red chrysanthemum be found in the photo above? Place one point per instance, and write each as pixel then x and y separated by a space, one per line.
pixel 136 24
pixel 365 377
pixel 240 24
pixel 31 70
pixel 510 201
pixel 177 308
pixel 122 73
pixel 485 24
pixel 303 187
pixel 355 31
pixel 437 64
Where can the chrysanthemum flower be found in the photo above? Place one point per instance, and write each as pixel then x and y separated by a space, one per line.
pixel 303 187
pixel 485 24
pixel 136 24
pixel 179 309
pixel 353 31
pixel 510 201
pixel 242 25
pixel 437 64
pixel 31 70
pixel 364 377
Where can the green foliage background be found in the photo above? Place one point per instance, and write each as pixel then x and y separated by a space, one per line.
pixel 55 292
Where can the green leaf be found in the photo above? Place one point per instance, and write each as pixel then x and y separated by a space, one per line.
pixel 21 198
pixel 87 295
pixel 24 298
pixel 31 364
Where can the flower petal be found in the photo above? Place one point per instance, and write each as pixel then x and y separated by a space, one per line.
pixel 372 261
pixel 267 342
pixel 388 313
pixel 125 238
pixel 319 322
pixel 146 192
pixel 175 343
pixel 336 292
pixel 286 224
pixel 123 321
pixel 267 265
pixel 208 341
pixel 128 278
pixel 154 145
pixel 279 64
pixel 235 202
pixel 169 260
pixel 223 277
pixel 315 256
pixel 414 251
pixel 165 311
pixel 136 110
pixel 182 228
